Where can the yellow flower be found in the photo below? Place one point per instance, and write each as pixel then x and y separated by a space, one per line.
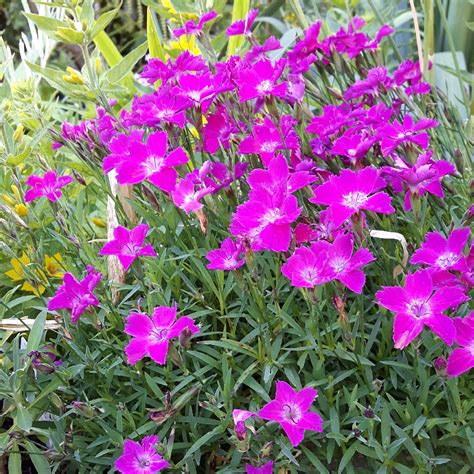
pixel 18 273
pixel 184 43
pixel 53 265
pixel 99 222
pixel 169 6
pixel 21 210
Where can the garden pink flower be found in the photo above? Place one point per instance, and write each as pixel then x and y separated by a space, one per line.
pixel 239 417
pixel 302 55
pixel 243 27
pixel 304 233
pixel 423 177
pixel 291 410
pixel 462 358
pixel 75 295
pixel 266 220
pixel 265 469
pixel 151 162
pixel 189 192
pixel 351 192
pixel 377 82
pixel 227 257
pixel 259 51
pixel 331 122
pixel 140 458
pixel 195 28
pixel 394 134
pixel 443 254
pixel 417 305
pixel 260 80
pixel 128 245
pixel 218 131
pixel 353 145
pixel 152 335
pixel 120 149
pixel 199 90
pixel 48 186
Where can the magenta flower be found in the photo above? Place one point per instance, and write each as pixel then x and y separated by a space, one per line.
pixel 120 149
pixel 151 162
pixel 353 145
pixel 128 245
pixel 240 416
pixel 259 51
pixel 192 28
pixel 376 83
pixel 259 80
pixel 462 358
pixel 75 295
pixel 423 177
pixel 199 90
pixel 227 257
pixel 291 410
pixel 396 133
pixel 443 254
pixel 140 458
pixel 266 139
pixel 191 190
pixel 152 335
pixel 266 220
pixel 243 27
pixel 218 131
pixel 418 305
pixel 265 469
pixel 351 192
pixel 48 186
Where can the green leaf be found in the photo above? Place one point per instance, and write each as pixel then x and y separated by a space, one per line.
pixel 45 23
pixel 102 22
pixel 14 460
pixel 107 48
pixel 239 11
pixel 154 42
pixel 125 66
pixel 346 458
pixel 36 333
pixel 38 460
pixel 23 418
pixel 69 35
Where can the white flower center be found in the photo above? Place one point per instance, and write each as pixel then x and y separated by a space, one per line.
pixel 419 309
pixel 153 164
pixel 130 249
pixel 339 264
pixel 292 413
pixel 269 147
pixel 446 260
pixel 271 216
pixel 159 334
pixel 354 200
pixel 310 274
pixel 265 86
pixel 351 152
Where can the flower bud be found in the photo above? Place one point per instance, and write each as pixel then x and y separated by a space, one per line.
pixel 19 132
pixel 369 413
pixel 21 210
pixel 185 337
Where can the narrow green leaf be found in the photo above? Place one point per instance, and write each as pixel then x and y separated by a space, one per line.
pixel 102 22
pixel 154 42
pixel 36 333
pixel 45 23
pixel 125 66
pixel 107 48
pixel 14 460
pixel 23 418
pixel 38 460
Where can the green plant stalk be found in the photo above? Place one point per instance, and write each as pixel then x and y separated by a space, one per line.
pixel 452 47
pixel 428 39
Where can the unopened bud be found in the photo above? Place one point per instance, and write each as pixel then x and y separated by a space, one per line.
pixel 19 132
pixel 185 337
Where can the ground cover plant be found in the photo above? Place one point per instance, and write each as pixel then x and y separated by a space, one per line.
pixel 252 255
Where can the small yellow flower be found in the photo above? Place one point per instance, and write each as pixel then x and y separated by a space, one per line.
pixel 18 274
pixel 184 43
pixel 99 222
pixel 21 210
pixel 53 265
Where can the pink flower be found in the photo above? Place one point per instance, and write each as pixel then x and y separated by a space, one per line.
pixel 353 145
pixel 152 335
pixel 324 262
pixel 227 257
pixel 291 410
pixel 423 177
pixel 239 417
pixel 259 80
pixel 192 28
pixel 397 133
pixel 266 220
pixel 218 131
pixel 140 458
pixel 120 149
pixel 462 358
pixel 418 305
pixel 443 254
pixel 75 295
pixel 243 27
pixel 258 51
pixel 199 90
pixel 377 81
pixel 128 245
pixel 151 162
pixel 192 189
pixel 265 469
pixel 48 186
pixel 351 192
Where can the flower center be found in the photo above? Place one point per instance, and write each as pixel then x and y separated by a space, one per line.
pixel 419 309
pixel 265 86
pixel 291 413
pixel 130 249
pixel 310 274
pixel 354 199
pixel 159 334
pixel 339 264
pixel 447 260
pixel 153 164
pixel 230 262
pixel 269 147
pixel 271 216
pixel 351 152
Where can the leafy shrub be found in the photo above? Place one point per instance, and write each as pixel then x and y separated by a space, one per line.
pixel 217 242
